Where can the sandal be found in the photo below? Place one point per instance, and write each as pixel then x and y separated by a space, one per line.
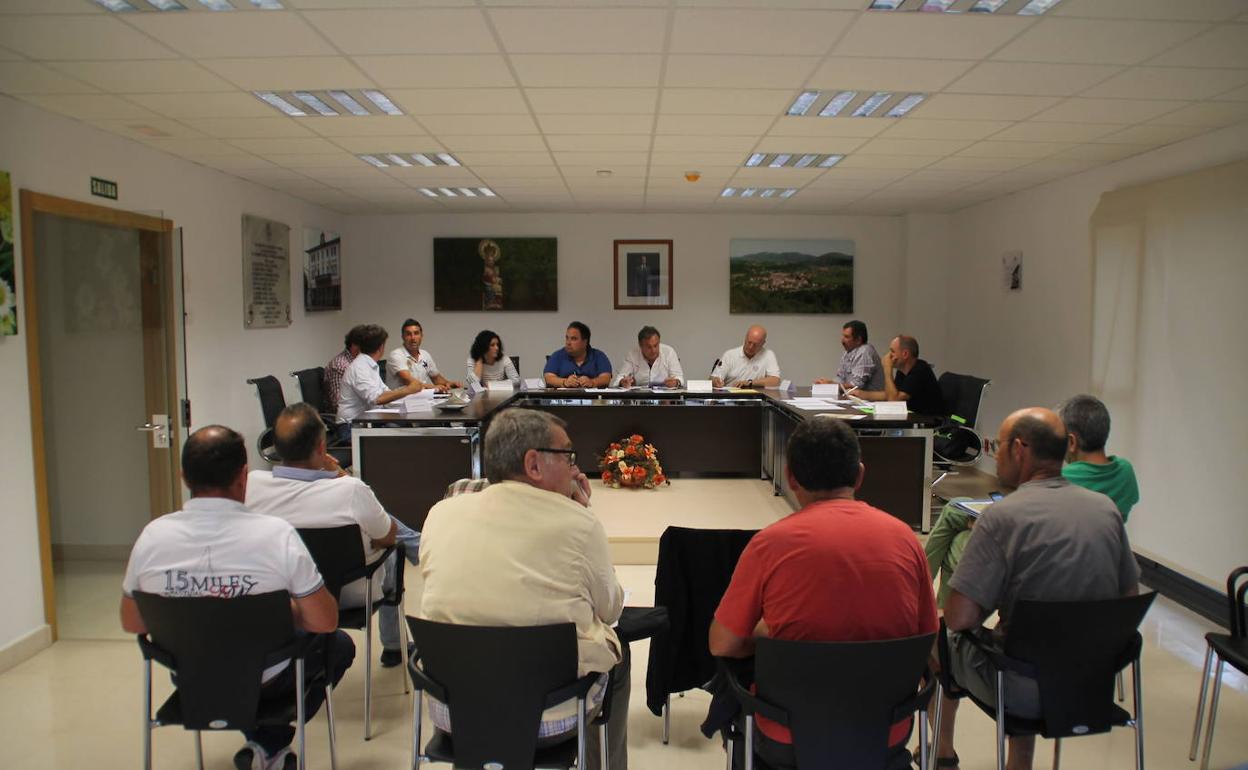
pixel 940 761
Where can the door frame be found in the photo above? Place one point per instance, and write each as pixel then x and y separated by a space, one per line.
pixel 38 203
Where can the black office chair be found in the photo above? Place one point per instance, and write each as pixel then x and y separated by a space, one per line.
pixel 839 699
pixel 496 682
pixel 515 362
pixel 216 690
pixel 339 556
pixel 312 391
pixel 957 443
pixel 693 571
pixel 272 402
pixel 1229 648
pixel 1073 650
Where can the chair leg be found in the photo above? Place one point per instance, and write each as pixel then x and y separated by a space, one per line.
pixel 1137 698
pixel 1200 704
pixel 940 712
pixel 147 714
pixel 368 660
pixel 1122 695
pixel 403 642
pixel 1057 753
pixel 603 753
pixel 300 715
pixel 199 750
pixel 923 739
pixel 731 747
pixel 1000 720
pixel 667 718
pixel 1213 713
pixel 749 742
pixel 333 727
pixel 417 715
pixel 580 733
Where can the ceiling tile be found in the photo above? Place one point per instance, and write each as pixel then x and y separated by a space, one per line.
pixel 724 101
pixel 467 125
pixel 1077 110
pixel 375 144
pixel 830 127
pixel 453 71
pixel 886 161
pixel 979 164
pixel 249 128
pixel 372 32
pixel 48 6
pixel 1034 130
pixel 1209 114
pixel 145 77
pixel 600 159
pixel 1238 95
pixel 743 31
pixel 1152 134
pixel 774 177
pixel 952 178
pixel 1014 149
pixel 977 107
pixel 805 144
pixel 241 162
pixel 460 101
pixel 614 101
pixel 939 147
pixel 372 125
pixel 592 71
pixel 201 35
pixel 310 73
pixel 922 128
pixel 296 159
pixel 1224 46
pixel 143 129
pixel 23 77
pixel 286 146
pixel 1094 41
pixel 515 172
pixel 737 72
pixel 580 30
pixel 596 124
pixel 676 142
pixel 75 38
pixel 1062 165
pixel 7 55
pixel 500 143
pixel 598 142
pixel 1196 10
pixel 1031 78
pixel 873 74
pixel 90 106
pixel 193 147
pixel 476 158
pixel 214 105
pixel 1106 152
pixel 695 158
pixel 1169 83
pixel 726 125
pixel 929 35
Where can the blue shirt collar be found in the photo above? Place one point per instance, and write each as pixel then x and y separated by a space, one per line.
pixel 301 474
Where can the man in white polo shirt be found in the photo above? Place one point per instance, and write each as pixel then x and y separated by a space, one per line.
pixel 216 547
pixel 651 363
pixel 409 363
pixel 749 366
pixel 362 388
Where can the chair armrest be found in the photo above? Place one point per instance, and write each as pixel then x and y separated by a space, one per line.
pixel 578 689
pixel 919 700
pixel 369 569
pixel 421 680
pixel 153 651
pixel 1130 653
pixel 999 659
pixel 751 704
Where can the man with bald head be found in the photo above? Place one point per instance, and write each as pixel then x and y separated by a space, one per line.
pixel 907 378
pixel 749 366
pixel 1049 540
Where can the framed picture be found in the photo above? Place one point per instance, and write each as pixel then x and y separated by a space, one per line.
pixel 495 273
pixel 791 276
pixel 322 270
pixel 643 275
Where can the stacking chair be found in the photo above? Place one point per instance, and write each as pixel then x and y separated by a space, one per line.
pixel 496 682
pixel 839 699
pixel 962 394
pixel 312 391
pixel 272 402
pixel 217 650
pixel 1073 650
pixel 1230 648
pixel 339 556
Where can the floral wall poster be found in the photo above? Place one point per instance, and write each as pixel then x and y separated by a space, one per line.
pixel 8 277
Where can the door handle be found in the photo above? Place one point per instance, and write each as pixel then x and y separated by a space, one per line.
pixel 149 427
pixel 159 428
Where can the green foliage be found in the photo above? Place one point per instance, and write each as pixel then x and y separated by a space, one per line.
pixel 528 268
pixel 781 284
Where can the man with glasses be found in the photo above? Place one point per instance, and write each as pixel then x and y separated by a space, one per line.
pixel 526 550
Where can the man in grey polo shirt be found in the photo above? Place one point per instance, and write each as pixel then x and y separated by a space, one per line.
pixel 1049 541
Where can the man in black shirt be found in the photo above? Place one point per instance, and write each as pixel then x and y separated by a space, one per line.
pixel 907 378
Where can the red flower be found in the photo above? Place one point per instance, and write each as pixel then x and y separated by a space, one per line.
pixel 630 451
pixel 636 438
pixel 606 476
pixel 660 479
pixel 614 446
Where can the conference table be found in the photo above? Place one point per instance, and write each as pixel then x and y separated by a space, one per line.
pixel 409 453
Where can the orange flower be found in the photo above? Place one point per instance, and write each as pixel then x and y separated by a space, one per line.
pixel 631 451
pixel 606 476
pixel 660 479
pixel 636 438
pixel 614 446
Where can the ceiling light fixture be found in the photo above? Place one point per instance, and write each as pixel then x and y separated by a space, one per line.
pixel 770 191
pixel 779 160
pixel 838 103
pixel 314 101
pixel 935 6
pixel 428 192
pixel 1037 7
pixel 755 159
pixel 748 192
pixel 276 101
pixel 217 5
pixel 117 6
pixel 382 101
pixel 802 103
pixel 348 102
pixel 166 5
pixel 872 104
pixel 447 158
pixel 986 6
pixel 905 105
pixel 728 192
pixel 487 192
pixel 398 160
pixel 805 160
pixel 448 192
pixel 267 5
pixel 831 161
pixel 423 159
pixel 374 161
pixel 884 5
pixel 352 102
pixel 789 193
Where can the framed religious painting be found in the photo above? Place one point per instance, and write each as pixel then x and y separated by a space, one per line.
pixel 643 275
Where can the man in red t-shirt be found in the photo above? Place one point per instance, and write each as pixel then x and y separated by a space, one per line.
pixel 837 570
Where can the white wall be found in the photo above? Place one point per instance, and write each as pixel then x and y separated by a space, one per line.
pixel 388 271
pixel 54 155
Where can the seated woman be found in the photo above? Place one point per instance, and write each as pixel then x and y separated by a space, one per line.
pixel 486 362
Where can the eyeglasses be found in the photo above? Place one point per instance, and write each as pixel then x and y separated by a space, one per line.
pixel 569 452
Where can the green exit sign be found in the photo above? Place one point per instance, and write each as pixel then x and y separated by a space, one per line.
pixel 103 188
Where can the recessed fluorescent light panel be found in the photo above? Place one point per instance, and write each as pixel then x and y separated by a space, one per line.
pixel 428 192
pixel 779 160
pixel 728 192
pixel 873 103
pixel 935 6
pixel 487 192
pixel 802 103
pixel 447 158
pixel 748 192
pixel 837 103
pixel 398 160
pixel 792 160
pixel 830 161
pixel 166 5
pixel 267 5
pixel 448 192
pixel 373 160
pixel 331 103
pixel 217 5
pixel 1029 8
pixel 987 6
pixel 467 191
pixel 884 5
pixel 769 192
pixel 789 193
pixel 908 103
pixel 755 159
pixel 388 159
pixel 878 104
pixel 805 161
pixel 117 6
pixel 1037 7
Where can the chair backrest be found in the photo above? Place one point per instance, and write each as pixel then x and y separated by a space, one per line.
pixel 962 394
pixel 841 697
pixel 219 649
pixel 312 388
pixel 272 400
pixel 338 553
pixel 515 362
pixel 1077 648
pixel 1235 600
pixel 496 681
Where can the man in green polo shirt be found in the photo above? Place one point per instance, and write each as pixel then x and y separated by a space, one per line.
pixel 1087 423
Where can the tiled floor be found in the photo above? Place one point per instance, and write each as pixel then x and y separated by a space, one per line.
pixel 77 704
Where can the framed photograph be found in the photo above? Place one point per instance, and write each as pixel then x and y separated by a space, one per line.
pixel 322 270
pixel 643 275
pixel 493 273
pixel 791 276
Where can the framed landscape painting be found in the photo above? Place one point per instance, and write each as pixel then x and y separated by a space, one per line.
pixel 495 274
pixel 791 276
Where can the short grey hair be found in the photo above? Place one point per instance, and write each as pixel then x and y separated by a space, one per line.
pixel 1088 418
pixel 510 435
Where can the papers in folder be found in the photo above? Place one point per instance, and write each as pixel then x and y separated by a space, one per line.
pixel 973 508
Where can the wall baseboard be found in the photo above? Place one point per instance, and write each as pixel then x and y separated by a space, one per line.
pixel 64 552
pixel 1207 602
pixel 25 647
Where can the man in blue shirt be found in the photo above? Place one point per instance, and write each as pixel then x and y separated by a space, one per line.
pixel 576 364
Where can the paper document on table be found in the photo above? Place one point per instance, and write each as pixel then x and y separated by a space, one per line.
pixel 807 403
pixel 842 415
pixel 414 403
pixel 534 383
pixel 386 410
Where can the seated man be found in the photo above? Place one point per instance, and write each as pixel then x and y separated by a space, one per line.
pixel 651 363
pixel 311 491
pixel 1049 540
pixel 526 550
pixel 907 378
pixel 337 367
pixel 1087 422
pixel 835 570
pixel 576 364
pixel 409 364
pixel 749 366
pixel 860 367
pixel 214 546
pixel 362 388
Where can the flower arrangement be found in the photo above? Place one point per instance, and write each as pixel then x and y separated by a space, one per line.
pixel 631 462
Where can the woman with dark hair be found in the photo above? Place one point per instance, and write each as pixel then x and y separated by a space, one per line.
pixel 486 362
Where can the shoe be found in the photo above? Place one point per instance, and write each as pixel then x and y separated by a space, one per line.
pixel 250 757
pixel 940 761
pixel 283 760
pixel 391 658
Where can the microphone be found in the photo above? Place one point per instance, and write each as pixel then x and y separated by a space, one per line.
pixel 715 366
